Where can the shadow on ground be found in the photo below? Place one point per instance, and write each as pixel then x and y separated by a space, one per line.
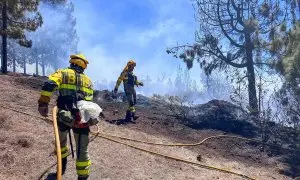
pixel 120 122
pixel 51 176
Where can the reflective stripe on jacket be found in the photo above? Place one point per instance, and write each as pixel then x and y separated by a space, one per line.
pixel 128 78
pixel 64 81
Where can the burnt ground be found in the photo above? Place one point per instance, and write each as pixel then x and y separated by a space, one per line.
pixel 27 143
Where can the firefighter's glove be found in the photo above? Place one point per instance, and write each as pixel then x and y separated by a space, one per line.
pixel 43 109
pixel 115 90
pixel 141 84
pixel 93 122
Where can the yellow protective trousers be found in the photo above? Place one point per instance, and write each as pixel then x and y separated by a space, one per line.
pixel 81 136
pixel 131 97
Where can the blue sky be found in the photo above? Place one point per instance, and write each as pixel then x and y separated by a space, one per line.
pixel 113 31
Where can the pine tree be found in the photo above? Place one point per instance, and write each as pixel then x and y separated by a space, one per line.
pixel 53 43
pixel 17 17
pixel 242 34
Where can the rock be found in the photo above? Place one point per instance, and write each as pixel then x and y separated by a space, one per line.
pixel 143 101
pixel 108 96
pixel 221 115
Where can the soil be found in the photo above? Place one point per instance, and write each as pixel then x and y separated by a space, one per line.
pixel 27 144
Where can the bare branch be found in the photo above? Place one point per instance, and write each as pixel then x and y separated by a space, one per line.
pixel 261 63
pixel 234 26
pixel 240 80
pixel 229 61
pixel 224 32
pixel 239 17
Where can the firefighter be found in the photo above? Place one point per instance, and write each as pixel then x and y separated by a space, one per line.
pixel 72 85
pixel 129 81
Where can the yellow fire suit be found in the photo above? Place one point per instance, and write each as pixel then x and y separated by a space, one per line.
pixel 129 81
pixel 72 87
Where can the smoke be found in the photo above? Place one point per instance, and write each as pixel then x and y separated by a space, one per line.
pixel 53 42
pixel 140 30
pixel 121 31
pixel 182 85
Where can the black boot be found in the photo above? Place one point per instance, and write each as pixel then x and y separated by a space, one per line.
pixel 83 177
pixel 128 116
pixel 64 165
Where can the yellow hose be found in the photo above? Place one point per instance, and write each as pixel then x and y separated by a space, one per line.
pixel 57 142
pixel 178 144
pixel 175 158
pixel 98 134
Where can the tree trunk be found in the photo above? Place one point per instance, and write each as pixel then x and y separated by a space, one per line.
pixel 24 67
pixel 37 67
pixel 4 37
pixel 43 68
pixel 24 64
pixel 260 102
pixel 14 64
pixel 251 76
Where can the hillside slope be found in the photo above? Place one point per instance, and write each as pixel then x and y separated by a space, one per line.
pixel 27 144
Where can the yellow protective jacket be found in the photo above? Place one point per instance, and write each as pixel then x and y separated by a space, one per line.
pixel 68 82
pixel 129 80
